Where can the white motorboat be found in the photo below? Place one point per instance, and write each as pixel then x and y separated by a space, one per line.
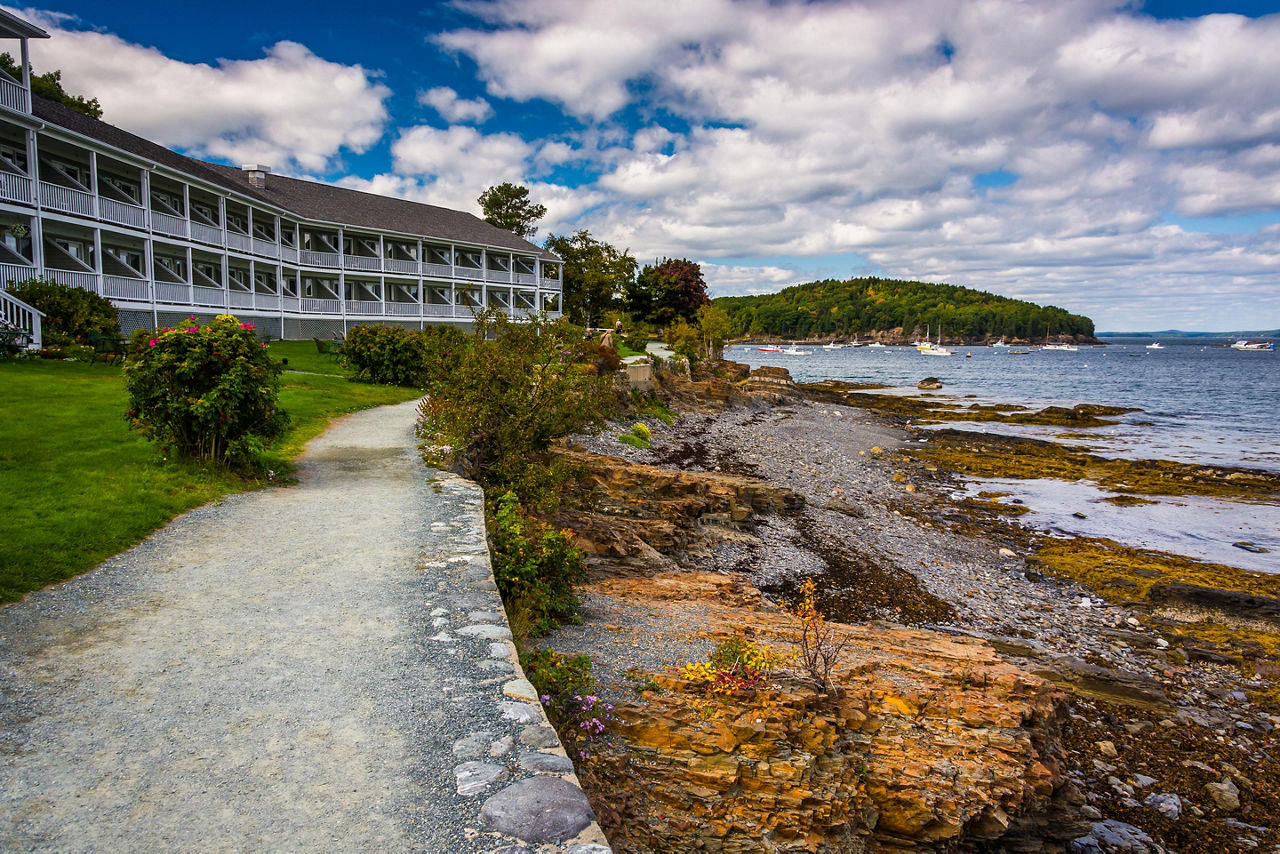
pixel 834 346
pixel 875 344
pixel 1156 345
pixel 793 350
pixel 1000 343
pixel 1065 348
pixel 1253 346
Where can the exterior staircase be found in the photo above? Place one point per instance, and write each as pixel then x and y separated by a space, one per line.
pixel 19 322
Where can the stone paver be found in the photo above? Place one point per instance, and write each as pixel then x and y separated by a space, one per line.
pixel 317 667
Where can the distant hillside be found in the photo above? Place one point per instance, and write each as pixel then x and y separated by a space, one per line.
pixel 888 308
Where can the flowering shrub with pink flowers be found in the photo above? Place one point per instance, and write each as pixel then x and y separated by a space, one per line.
pixel 207 392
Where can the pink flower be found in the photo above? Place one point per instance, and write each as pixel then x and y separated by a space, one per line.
pixel 151 343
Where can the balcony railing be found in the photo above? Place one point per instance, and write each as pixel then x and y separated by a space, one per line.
pixel 174 226
pixel 444 271
pixel 526 279
pixel 209 296
pixel 266 247
pixel 497 275
pixel 291 303
pixel 241 299
pixel 235 240
pixel 361 262
pixel 119 212
pixel 122 287
pixel 74 279
pixel 400 265
pixel 548 282
pixel 271 301
pixel 289 253
pixel 469 273
pixel 318 259
pixel 321 306
pixel 168 224
pixel 15 273
pixel 360 306
pixel 66 199
pixel 15 188
pixel 210 234
pixel 436 310
pixel 166 292
pixel 403 309
pixel 13 95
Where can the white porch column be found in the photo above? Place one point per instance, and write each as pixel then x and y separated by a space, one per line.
pixel 26 73
pixel 97 258
pixel 93 180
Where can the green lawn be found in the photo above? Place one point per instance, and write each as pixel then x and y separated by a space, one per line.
pixel 77 486
pixel 303 356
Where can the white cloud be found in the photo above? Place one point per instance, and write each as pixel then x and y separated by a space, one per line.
pixel 819 129
pixel 290 108
pixel 453 109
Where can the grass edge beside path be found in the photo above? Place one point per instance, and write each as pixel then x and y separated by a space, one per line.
pixel 77 486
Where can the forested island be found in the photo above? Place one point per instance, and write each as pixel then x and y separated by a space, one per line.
pixel 891 308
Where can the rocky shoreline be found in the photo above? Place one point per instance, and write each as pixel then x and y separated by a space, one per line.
pixel 1166 731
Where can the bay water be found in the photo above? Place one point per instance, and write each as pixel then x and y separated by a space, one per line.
pixel 1200 402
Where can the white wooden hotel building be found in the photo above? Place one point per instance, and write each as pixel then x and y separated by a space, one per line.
pixel 164 236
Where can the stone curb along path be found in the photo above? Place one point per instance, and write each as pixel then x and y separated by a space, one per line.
pixel 325 666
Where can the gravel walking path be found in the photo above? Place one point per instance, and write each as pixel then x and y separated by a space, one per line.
pixel 302 668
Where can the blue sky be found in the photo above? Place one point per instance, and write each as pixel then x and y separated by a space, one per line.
pixel 1119 159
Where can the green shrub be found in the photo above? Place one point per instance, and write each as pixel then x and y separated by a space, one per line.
pixel 71 315
pixel 639 437
pixel 515 389
pixel 205 392
pixel 535 567
pixel 386 355
pixel 566 688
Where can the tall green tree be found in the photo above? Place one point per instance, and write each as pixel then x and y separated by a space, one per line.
pixel 508 206
pixel 595 273
pixel 49 85
pixel 668 291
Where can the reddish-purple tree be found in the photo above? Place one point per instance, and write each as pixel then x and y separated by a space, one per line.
pixel 666 292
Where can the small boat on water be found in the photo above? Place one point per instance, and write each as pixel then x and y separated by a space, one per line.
pixel 835 346
pixel 793 350
pixel 769 349
pixel 1000 343
pixel 1065 348
pixel 930 349
pixel 1155 346
pixel 875 344
pixel 1253 346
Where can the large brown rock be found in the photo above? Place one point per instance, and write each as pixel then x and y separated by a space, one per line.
pixel 935 741
pixel 634 510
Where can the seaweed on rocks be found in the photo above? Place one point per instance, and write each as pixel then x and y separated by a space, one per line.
pixel 855 587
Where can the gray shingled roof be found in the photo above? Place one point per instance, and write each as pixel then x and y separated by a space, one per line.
pixel 306 199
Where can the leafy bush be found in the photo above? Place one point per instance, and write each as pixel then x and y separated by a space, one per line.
pixel 535 567
pixel 639 437
pixel 386 355
pixel 514 390
pixel 71 315
pixel 566 687
pixel 206 392
pixel 737 664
